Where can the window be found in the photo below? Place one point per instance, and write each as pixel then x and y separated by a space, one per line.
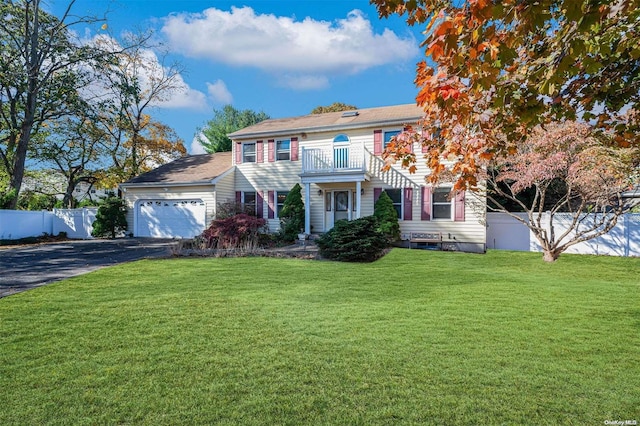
pixel 341 138
pixel 283 149
pixel 342 201
pixel 441 203
pixel 388 136
pixel 249 202
pixel 280 197
pixel 396 198
pixel 249 153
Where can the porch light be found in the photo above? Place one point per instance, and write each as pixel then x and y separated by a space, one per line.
pixel 319 191
pixel 361 191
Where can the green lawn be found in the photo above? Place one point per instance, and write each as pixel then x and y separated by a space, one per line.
pixel 418 337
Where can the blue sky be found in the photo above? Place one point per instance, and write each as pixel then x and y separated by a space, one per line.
pixel 282 57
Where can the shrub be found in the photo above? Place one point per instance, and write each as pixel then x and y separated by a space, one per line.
pixel 234 231
pixel 358 240
pixel 387 217
pixel 30 200
pixel 111 218
pixel 292 215
pixel 229 209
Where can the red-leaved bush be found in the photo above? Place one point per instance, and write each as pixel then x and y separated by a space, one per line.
pixel 234 231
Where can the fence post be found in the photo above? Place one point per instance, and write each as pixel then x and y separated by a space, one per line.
pixel 627 234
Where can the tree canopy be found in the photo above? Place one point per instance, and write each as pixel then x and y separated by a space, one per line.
pixel 40 78
pixel 494 70
pixel 79 106
pixel 566 168
pixel 225 121
pixel 334 107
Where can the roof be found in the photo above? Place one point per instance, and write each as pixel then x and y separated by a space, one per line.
pixel 192 169
pixel 333 121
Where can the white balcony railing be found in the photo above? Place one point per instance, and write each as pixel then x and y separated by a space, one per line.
pixel 333 160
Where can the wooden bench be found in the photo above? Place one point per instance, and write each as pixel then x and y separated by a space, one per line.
pixel 426 237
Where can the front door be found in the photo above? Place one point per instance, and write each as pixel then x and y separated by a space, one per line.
pixel 336 207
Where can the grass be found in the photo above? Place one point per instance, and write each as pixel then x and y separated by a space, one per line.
pixel 416 338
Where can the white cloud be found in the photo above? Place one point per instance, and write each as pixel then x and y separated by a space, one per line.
pixel 196 147
pixel 150 70
pixel 275 44
pixel 304 82
pixel 185 97
pixel 219 93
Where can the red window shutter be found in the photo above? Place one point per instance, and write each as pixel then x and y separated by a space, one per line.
pixel 408 204
pixel 259 202
pixel 294 149
pixel 271 202
pixel 425 212
pixel 238 153
pixel 376 194
pixel 424 147
pixel 271 150
pixel 238 197
pixel 259 152
pixel 410 146
pixel 459 206
pixel 377 142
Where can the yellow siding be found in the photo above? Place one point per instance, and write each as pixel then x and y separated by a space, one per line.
pixel 225 190
pixel 282 175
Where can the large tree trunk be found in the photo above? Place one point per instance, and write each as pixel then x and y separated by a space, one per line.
pixel 33 69
pixel 20 157
pixel 550 255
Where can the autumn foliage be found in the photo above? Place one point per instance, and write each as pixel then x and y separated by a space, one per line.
pixel 570 169
pixel 233 232
pixel 494 70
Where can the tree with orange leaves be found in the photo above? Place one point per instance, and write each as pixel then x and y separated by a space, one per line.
pixel 497 69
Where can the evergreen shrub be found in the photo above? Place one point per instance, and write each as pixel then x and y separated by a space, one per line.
pixel 292 215
pixel 111 218
pixel 387 217
pixel 357 240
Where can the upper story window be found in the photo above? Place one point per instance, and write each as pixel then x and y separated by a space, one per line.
pixel 387 137
pixel 441 203
pixel 341 138
pixel 283 149
pixel 249 153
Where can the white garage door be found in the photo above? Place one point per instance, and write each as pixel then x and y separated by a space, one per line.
pixel 170 218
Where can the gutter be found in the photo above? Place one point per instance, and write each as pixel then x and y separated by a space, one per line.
pixel 124 186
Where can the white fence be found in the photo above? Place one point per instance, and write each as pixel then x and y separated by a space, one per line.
pixel 77 223
pixel 506 233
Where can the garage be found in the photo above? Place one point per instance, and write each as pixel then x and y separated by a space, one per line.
pixel 183 218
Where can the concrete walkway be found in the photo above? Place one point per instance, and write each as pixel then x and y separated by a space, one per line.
pixel 26 267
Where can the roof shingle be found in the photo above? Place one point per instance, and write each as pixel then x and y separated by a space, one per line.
pixel 407 113
pixel 190 169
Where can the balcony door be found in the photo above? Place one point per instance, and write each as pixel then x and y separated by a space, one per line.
pixel 341 151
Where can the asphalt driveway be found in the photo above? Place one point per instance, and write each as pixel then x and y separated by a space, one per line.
pixel 26 267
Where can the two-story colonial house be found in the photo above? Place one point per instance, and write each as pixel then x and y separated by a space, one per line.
pixel 336 157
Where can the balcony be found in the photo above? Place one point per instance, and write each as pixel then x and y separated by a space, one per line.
pixel 335 160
